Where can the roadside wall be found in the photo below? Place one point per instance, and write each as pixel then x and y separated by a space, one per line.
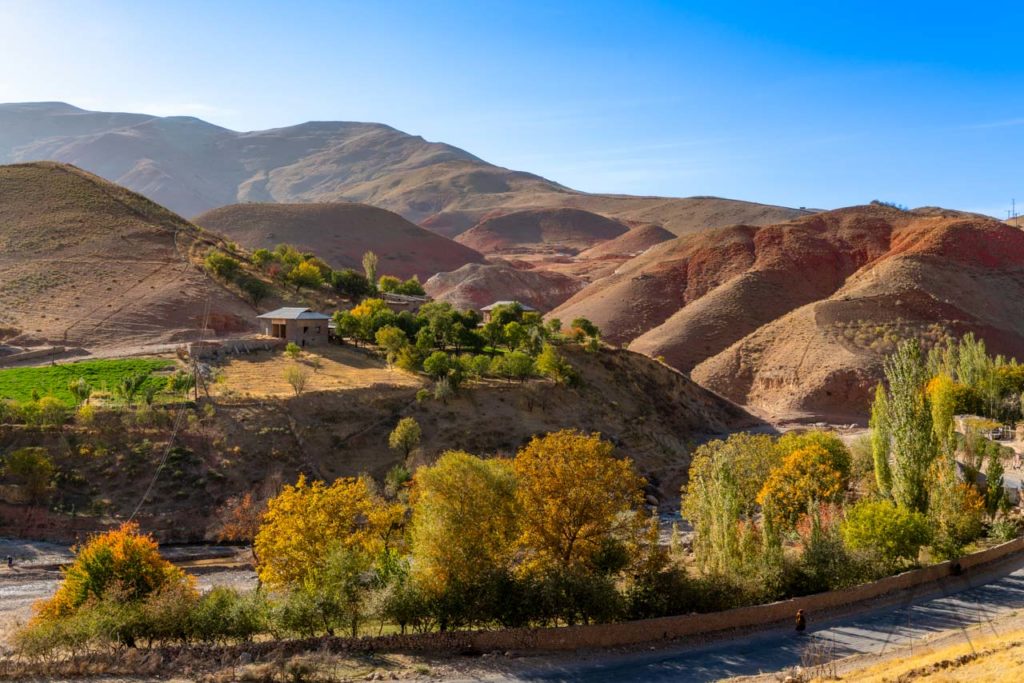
pixel 648 630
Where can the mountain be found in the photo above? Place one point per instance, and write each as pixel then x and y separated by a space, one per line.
pixel 476 285
pixel 85 262
pixel 192 166
pixel 795 318
pixel 554 230
pixel 341 233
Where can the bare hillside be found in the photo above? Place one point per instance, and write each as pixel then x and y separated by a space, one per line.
pixel 192 166
pixel 564 230
pixel 476 285
pixel 85 262
pixel 341 233
pixel 795 317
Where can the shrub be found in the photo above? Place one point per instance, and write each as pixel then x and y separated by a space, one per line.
pixel 888 534
pixel 123 562
pixel 222 265
pixel 293 350
pixel 298 378
pixel 32 469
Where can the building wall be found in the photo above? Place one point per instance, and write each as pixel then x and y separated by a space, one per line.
pixel 298 331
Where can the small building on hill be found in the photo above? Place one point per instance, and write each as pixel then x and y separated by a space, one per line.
pixel 405 302
pixel 302 326
pixel 486 311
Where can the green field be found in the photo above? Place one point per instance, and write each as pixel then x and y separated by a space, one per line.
pixel 52 380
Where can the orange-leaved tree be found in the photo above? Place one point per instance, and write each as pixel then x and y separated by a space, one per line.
pixel 305 522
pixel 575 499
pixel 805 475
pixel 123 562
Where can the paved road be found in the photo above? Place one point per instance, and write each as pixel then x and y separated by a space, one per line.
pixel 956 604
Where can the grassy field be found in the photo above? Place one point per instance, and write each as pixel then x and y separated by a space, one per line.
pixel 19 383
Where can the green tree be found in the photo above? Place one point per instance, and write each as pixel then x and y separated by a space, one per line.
pixel 388 283
pixel 890 534
pixel 437 365
pixel 463 525
pixel 406 436
pixel 370 267
pixel 351 284
pixel 551 364
pixel 255 290
pixel 392 340
pixel 222 265
pixel 514 335
pixel 411 287
pixel 748 459
pixel 995 493
pixel 583 328
pixel 32 469
pixel 881 440
pixel 909 422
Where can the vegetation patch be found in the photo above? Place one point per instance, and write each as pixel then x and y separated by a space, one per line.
pixel 28 384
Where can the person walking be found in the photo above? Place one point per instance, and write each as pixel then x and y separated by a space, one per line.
pixel 801 621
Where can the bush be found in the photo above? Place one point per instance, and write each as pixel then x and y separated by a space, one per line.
pixel 888 534
pixel 222 265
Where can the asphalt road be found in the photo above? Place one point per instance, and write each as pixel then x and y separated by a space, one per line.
pixel 955 604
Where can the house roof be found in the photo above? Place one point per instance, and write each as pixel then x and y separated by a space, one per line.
pixel 294 314
pixel 521 305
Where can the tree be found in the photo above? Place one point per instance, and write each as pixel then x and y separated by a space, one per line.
pixel 388 283
pixel 297 377
pixel 583 328
pixel 80 389
pixel 392 340
pixel 518 365
pixel 437 365
pixel 955 509
pixel 551 364
pixel 293 350
pixel 222 265
pixel 941 392
pixel 32 469
pixel 463 521
pixel 406 436
pixel 995 493
pixel 306 522
pixel 370 267
pixel 554 327
pixel 493 332
pixel 306 275
pixel 838 455
pixel 881 440
pixel 124 561
pixel 806 475
pixel 129 386
pixel 890 534
pixel 748 458
pixel 514 335
pixel 575 500
pixel 909 421
pixel 262 257
pixel 351 284
pixel 412 287
pixel 255 289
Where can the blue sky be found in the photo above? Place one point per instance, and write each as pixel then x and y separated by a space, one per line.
pixel 824 105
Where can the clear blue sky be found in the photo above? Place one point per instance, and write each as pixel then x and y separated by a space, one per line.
pixel 806 104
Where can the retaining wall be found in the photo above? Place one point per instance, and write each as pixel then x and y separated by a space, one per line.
pixel 28 355
pixel 650 630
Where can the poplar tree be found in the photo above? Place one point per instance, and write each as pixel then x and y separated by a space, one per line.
pixel 909 423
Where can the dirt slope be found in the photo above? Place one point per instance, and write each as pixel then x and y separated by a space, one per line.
pixel 341 233
pixel 476 285
pixel 942 276
pixel 85 262
pixel 629 244
pixel 256 435
pixel 192 166
pixel 795 317
pixel 557 230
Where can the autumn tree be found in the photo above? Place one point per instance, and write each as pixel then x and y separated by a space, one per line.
pixel 890 534
pixel 124 561
pixel 306 275
pixel 575 500
pixel 748 458
pixel 405 437
pixel 808 474
pixel 306 522
pixel 463 521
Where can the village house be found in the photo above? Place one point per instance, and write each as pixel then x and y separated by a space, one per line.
pixel 486 311
pixel 405 302
pixel 301 326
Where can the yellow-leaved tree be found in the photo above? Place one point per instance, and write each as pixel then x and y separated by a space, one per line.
pixel 463 520
pixel 575 498
pixel 305 522
pixel 806 475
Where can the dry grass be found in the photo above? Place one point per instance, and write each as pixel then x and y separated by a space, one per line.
pixel 981 659
pixel 341 368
